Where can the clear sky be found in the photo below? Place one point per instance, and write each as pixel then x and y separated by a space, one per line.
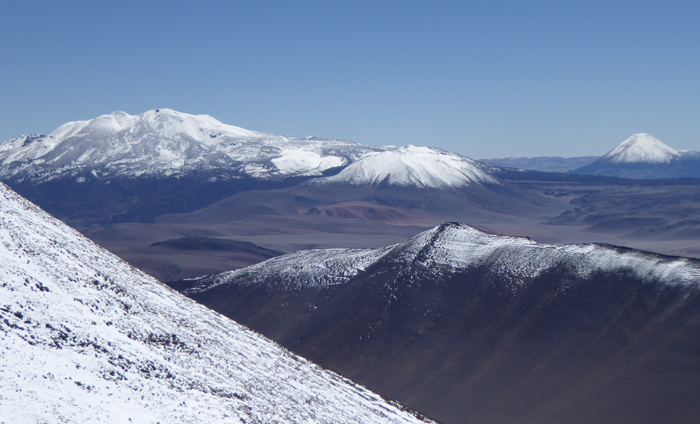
pixel 484 79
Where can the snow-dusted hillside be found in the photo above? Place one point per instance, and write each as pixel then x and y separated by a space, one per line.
pixel 458 247
pixel 164 142
pixel 422 167
pixel 84 337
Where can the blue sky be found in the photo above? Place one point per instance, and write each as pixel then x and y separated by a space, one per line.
pixel 484 79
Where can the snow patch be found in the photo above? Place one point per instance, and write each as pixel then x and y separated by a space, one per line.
pixel 293 162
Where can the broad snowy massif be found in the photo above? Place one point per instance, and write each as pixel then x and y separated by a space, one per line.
pixel 84 337
pixel 164 142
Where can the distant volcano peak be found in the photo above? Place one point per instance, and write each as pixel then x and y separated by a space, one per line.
pixel 641 148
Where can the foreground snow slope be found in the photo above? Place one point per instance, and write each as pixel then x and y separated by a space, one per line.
pixel 164 142
pixel 84 337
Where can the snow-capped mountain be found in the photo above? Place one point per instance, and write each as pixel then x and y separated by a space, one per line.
pixel 474 327
pixel 641 148
pixel 412 166
pixel 644 156
pixel 85 337
pixel 164 142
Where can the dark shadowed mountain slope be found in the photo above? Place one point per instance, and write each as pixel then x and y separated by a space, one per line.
pixel 84 337
pixel 472 327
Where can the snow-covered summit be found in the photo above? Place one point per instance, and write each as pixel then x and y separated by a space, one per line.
pixel 85 337
pixel 641 148
pixel 164 142
pixel 166 122
pixel 422 167
pixel 454 247
pixel 459 246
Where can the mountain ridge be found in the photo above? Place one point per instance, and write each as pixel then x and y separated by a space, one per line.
pixel 456 245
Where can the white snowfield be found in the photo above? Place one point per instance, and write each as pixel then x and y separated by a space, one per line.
pixel 164 142
pixel 452 248
pixel 642 148
pixel 422 167
pixel 84 337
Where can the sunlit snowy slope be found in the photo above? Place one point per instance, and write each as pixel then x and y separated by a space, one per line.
pixel 84 337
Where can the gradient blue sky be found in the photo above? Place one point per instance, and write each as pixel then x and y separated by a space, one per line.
pixel 484 79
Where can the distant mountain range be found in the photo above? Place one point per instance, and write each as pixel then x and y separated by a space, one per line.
pixel 639 157
pixel 473 327
pixel 164 143
pixel 182 195
pixel 542 163
pixel 126 168
pixel 644 157
pixel 88 338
